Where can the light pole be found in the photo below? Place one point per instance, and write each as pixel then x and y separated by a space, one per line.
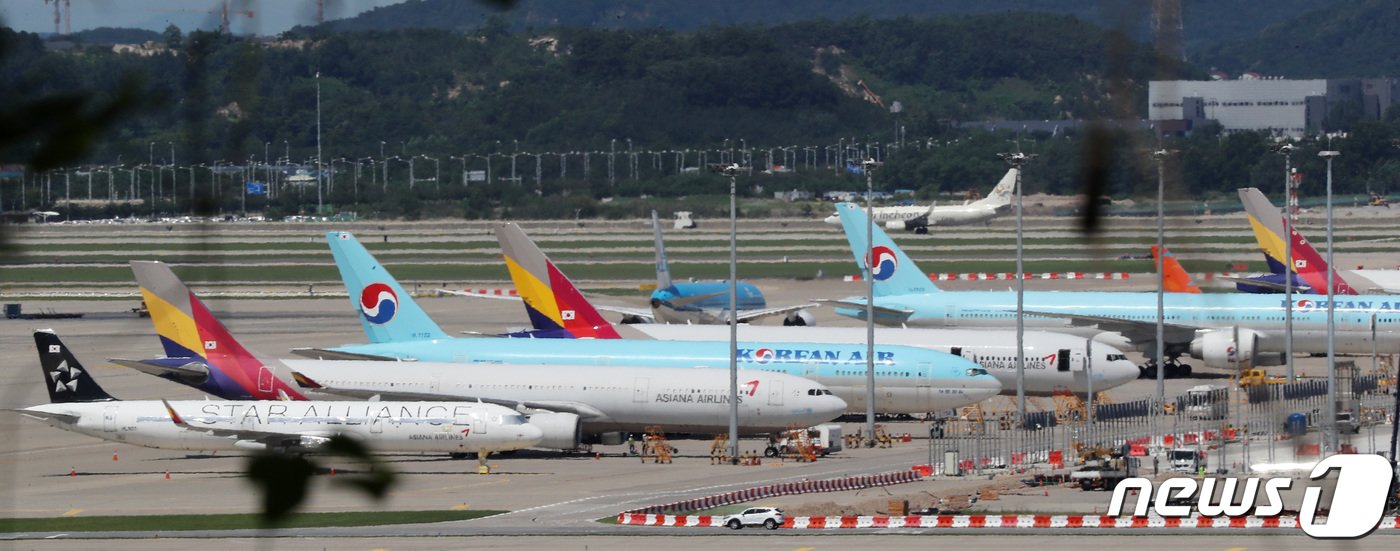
pixel 1286 149
pixel 869 166
pixel 732 171
pixel 1018 160
pixel 319 204
pixel 1331 436
pixel 1161 358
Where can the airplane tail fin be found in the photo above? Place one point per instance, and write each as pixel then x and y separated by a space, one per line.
pixel 663 267
pixel 1175 279
pixel 387 312
pixel 1001 194
pixel 66 378
pixel 551 300
pixel 1267 222
pixel 894 273
pixel 187 329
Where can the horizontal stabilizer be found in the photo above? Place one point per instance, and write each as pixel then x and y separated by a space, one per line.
pixel 901 314
pixel 332 354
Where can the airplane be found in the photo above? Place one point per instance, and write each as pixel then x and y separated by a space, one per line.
pixel 1055 362
pixel 1175 279
pixel 78 404
pixel 918 219
pixel 199 351
pixel 558 411
pixel 1309 266
pixel 909 379
pixel 1226 331
pixel 607 399
pixel 693 303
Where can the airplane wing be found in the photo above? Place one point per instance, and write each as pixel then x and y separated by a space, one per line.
pixel 584 411
pixel 1299 289
pixel 1135 331
pixel 644 313
pixel 901 314
pixel 184 368
pixel 750 315
pixel 328 354
pixel 46 416
pixel 267 438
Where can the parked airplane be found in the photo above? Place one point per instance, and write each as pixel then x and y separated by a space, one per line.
pixel 199 351
pixel 1055 362
pixel 607 399
pixel 918 219
pixel 1226 331
pixel 558 411
pixel 910 379
pixel 1175 279
pixel 1309 266
pixel 78 404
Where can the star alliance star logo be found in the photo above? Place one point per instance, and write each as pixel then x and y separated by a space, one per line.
pixel 64 378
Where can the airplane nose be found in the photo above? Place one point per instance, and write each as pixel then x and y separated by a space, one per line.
pixel 982 387
pixel 1116 373
pixel 833 406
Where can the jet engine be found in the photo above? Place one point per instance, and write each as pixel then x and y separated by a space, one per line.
pixel 800 318
pixel 1219 349
pixel 897 225
pixel 562 431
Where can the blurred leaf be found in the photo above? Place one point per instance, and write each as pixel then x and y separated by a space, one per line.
pixel 282 478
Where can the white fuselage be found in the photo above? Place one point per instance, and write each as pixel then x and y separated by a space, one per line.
pixel 993 350
pixel 447 427
pixel 608 399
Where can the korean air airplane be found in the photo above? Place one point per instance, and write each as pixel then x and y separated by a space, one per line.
pixel 78 404
pixel 1224 330
pixel 567 403
pixel 908 379
pixel 1055 362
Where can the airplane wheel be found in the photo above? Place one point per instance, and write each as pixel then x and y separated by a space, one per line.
pixel 921 230
pixel 1185 371
pixel 1149 372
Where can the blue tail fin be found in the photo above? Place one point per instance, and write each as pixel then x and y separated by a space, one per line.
pixel 895 273
pixel 387 312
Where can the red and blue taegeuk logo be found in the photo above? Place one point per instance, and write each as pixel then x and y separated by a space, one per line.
pixel 378 303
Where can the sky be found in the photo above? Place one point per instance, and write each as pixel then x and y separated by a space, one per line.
pixel 269 16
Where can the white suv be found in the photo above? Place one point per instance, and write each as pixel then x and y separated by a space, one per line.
pixel 769 517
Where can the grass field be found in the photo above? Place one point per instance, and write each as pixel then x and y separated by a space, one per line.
pixel 229 521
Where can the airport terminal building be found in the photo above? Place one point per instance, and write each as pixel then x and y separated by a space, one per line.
pixel 1281 106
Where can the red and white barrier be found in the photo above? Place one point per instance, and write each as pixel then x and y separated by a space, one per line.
pixel 989 521
pixel 498 292
pixel 772 490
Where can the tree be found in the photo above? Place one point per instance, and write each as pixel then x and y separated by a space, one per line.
pixel 172 36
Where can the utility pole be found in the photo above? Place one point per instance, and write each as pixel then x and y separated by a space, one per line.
pixel 1286 149
pixel 869 168
pixel 1018 160
pixel 1331 442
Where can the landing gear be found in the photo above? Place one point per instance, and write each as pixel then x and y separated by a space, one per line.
pixel 482 467
pixel 1174 369
pixel 921 230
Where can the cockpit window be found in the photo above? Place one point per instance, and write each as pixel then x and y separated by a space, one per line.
pixel 973 372
pixel 513 420
pixel 1116 357
pixel 818 392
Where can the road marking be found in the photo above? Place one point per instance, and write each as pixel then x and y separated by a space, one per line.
pixel 811 548
pixel 1235 549
pixel 72 512
pixel 55 536
pixel 460 507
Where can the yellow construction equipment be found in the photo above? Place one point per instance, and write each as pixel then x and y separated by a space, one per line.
pixel 654 445
pixel 1254 377
pixel 719 450
pixel 1069 408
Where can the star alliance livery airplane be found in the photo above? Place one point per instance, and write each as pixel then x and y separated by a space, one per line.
pixel 78 404
pixel 909 380
pixel 1228 331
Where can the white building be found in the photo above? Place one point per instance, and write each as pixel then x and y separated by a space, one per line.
pixel 1286 107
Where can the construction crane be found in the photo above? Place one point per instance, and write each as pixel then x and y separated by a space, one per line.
pixel 224 13
pixel 870 95
pixel 65 16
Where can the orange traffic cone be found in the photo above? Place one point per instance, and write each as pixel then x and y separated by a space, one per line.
pixel 114 455
pixel 1047 493
pixel 167 473
pixel 332 470
pixel 73 471
pixel 597 456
